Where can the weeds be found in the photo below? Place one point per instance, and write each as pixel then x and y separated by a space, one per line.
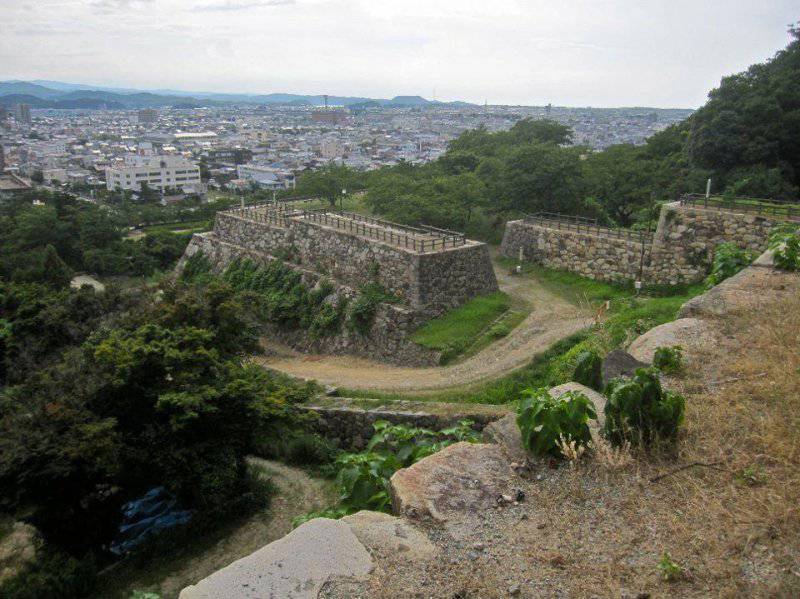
pixel 669 360
pixel 670 570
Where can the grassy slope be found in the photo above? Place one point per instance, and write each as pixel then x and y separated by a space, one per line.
pixel 460 329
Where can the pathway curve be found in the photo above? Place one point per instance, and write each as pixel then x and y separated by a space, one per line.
pixel 552 319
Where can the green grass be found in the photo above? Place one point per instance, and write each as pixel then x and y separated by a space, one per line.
pixel 628 317
pixel 459 329
pixel 190 226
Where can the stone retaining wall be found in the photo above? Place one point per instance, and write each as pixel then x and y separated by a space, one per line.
pixel 388 340
pixel 348 422
pixel 681 250
pixel 431 282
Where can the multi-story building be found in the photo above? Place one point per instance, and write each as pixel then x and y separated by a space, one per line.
pixel 22 112
pixel 158 172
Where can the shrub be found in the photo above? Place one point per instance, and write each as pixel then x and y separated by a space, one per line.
pixel 728 260
pixel 362 310
pixel 197 269
pixel 309 449
pixel 546 422
pixel 784 241
pixel 588 370
pixel 670 570
pixel 668 359
pixel 639 411
pixel 54 575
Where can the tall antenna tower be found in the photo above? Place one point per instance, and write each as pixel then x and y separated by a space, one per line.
pixel 325 98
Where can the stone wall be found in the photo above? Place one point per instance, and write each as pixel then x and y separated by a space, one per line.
pixel 431 282
pixel 348 422
pixel 388 340
pixel 680 252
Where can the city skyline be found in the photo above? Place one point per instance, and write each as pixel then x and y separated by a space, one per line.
pixel 611 53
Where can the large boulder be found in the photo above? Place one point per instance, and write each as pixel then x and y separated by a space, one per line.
pixel 389 537
pixel 453 484
pixel 619 363
pixel 685 332
pixel 294 567
pixel 505 433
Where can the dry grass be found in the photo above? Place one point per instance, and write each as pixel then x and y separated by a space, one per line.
pixel 600 530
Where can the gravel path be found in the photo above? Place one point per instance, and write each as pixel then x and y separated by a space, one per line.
pixel 552 318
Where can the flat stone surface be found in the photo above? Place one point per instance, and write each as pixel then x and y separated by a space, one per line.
pixel 389 537
pixel 294 567
pixel 459 481
pixel 684 332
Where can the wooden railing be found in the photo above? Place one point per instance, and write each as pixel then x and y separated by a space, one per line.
pixel 581 224
pixel 776 208
pixel 420 239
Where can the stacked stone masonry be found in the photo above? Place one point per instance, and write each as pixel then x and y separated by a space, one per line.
pixel 680 251
pixel 427 283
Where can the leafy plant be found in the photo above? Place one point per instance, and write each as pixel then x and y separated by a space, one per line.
pixel 309 449
pixel 784 241
pixel 752 476
pixel 668 359
pixel 639 411
pixel 670 570
pixel 728 260
pixel 363 478
pixel 361 313
pixel 588 370
pixel 547 422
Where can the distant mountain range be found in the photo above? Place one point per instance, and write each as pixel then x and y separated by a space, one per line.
pixel 56 94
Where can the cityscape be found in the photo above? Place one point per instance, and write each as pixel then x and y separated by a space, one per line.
pixel 268 146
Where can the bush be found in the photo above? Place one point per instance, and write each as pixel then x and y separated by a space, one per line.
pixel 728 260
pixel 361 314
pixel 784 241
pixel 54 575
pixel 640 411
pixel 309 449
pixel 546 421
pixel 588 370
pixel 668 359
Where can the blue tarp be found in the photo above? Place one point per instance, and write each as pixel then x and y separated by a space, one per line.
pixel 154 512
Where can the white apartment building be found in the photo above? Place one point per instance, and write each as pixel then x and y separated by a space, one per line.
pixel 159 172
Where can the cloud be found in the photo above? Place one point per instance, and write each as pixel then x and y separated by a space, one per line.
pixel 234 5
pixel 109 5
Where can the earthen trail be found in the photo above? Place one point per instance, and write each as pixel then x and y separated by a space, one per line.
pixel 552 319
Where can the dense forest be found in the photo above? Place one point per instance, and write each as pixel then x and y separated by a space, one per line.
pixel 106 394
pixel 746 138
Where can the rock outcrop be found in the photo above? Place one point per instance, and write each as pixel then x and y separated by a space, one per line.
pixel 460 479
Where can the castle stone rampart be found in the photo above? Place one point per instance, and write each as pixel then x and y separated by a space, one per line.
pixel 680 251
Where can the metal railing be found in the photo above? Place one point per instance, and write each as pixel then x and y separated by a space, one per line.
pixel 419 239
pixel 777 208
pixel 581 224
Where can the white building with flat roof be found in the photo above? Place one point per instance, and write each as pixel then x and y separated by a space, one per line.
pixel 159 172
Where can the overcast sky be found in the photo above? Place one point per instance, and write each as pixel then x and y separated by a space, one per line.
pixel 665 53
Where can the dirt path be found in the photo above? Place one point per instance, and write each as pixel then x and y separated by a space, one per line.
pixel 552 318
pixel 298 493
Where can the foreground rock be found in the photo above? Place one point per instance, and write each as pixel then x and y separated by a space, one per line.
pixel 390 538
pixel 751 289
pixel 683 332
pixel 294 567
pixel 619 363
pixel 454 483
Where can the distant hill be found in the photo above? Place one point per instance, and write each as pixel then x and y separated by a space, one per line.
pixel 56 94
